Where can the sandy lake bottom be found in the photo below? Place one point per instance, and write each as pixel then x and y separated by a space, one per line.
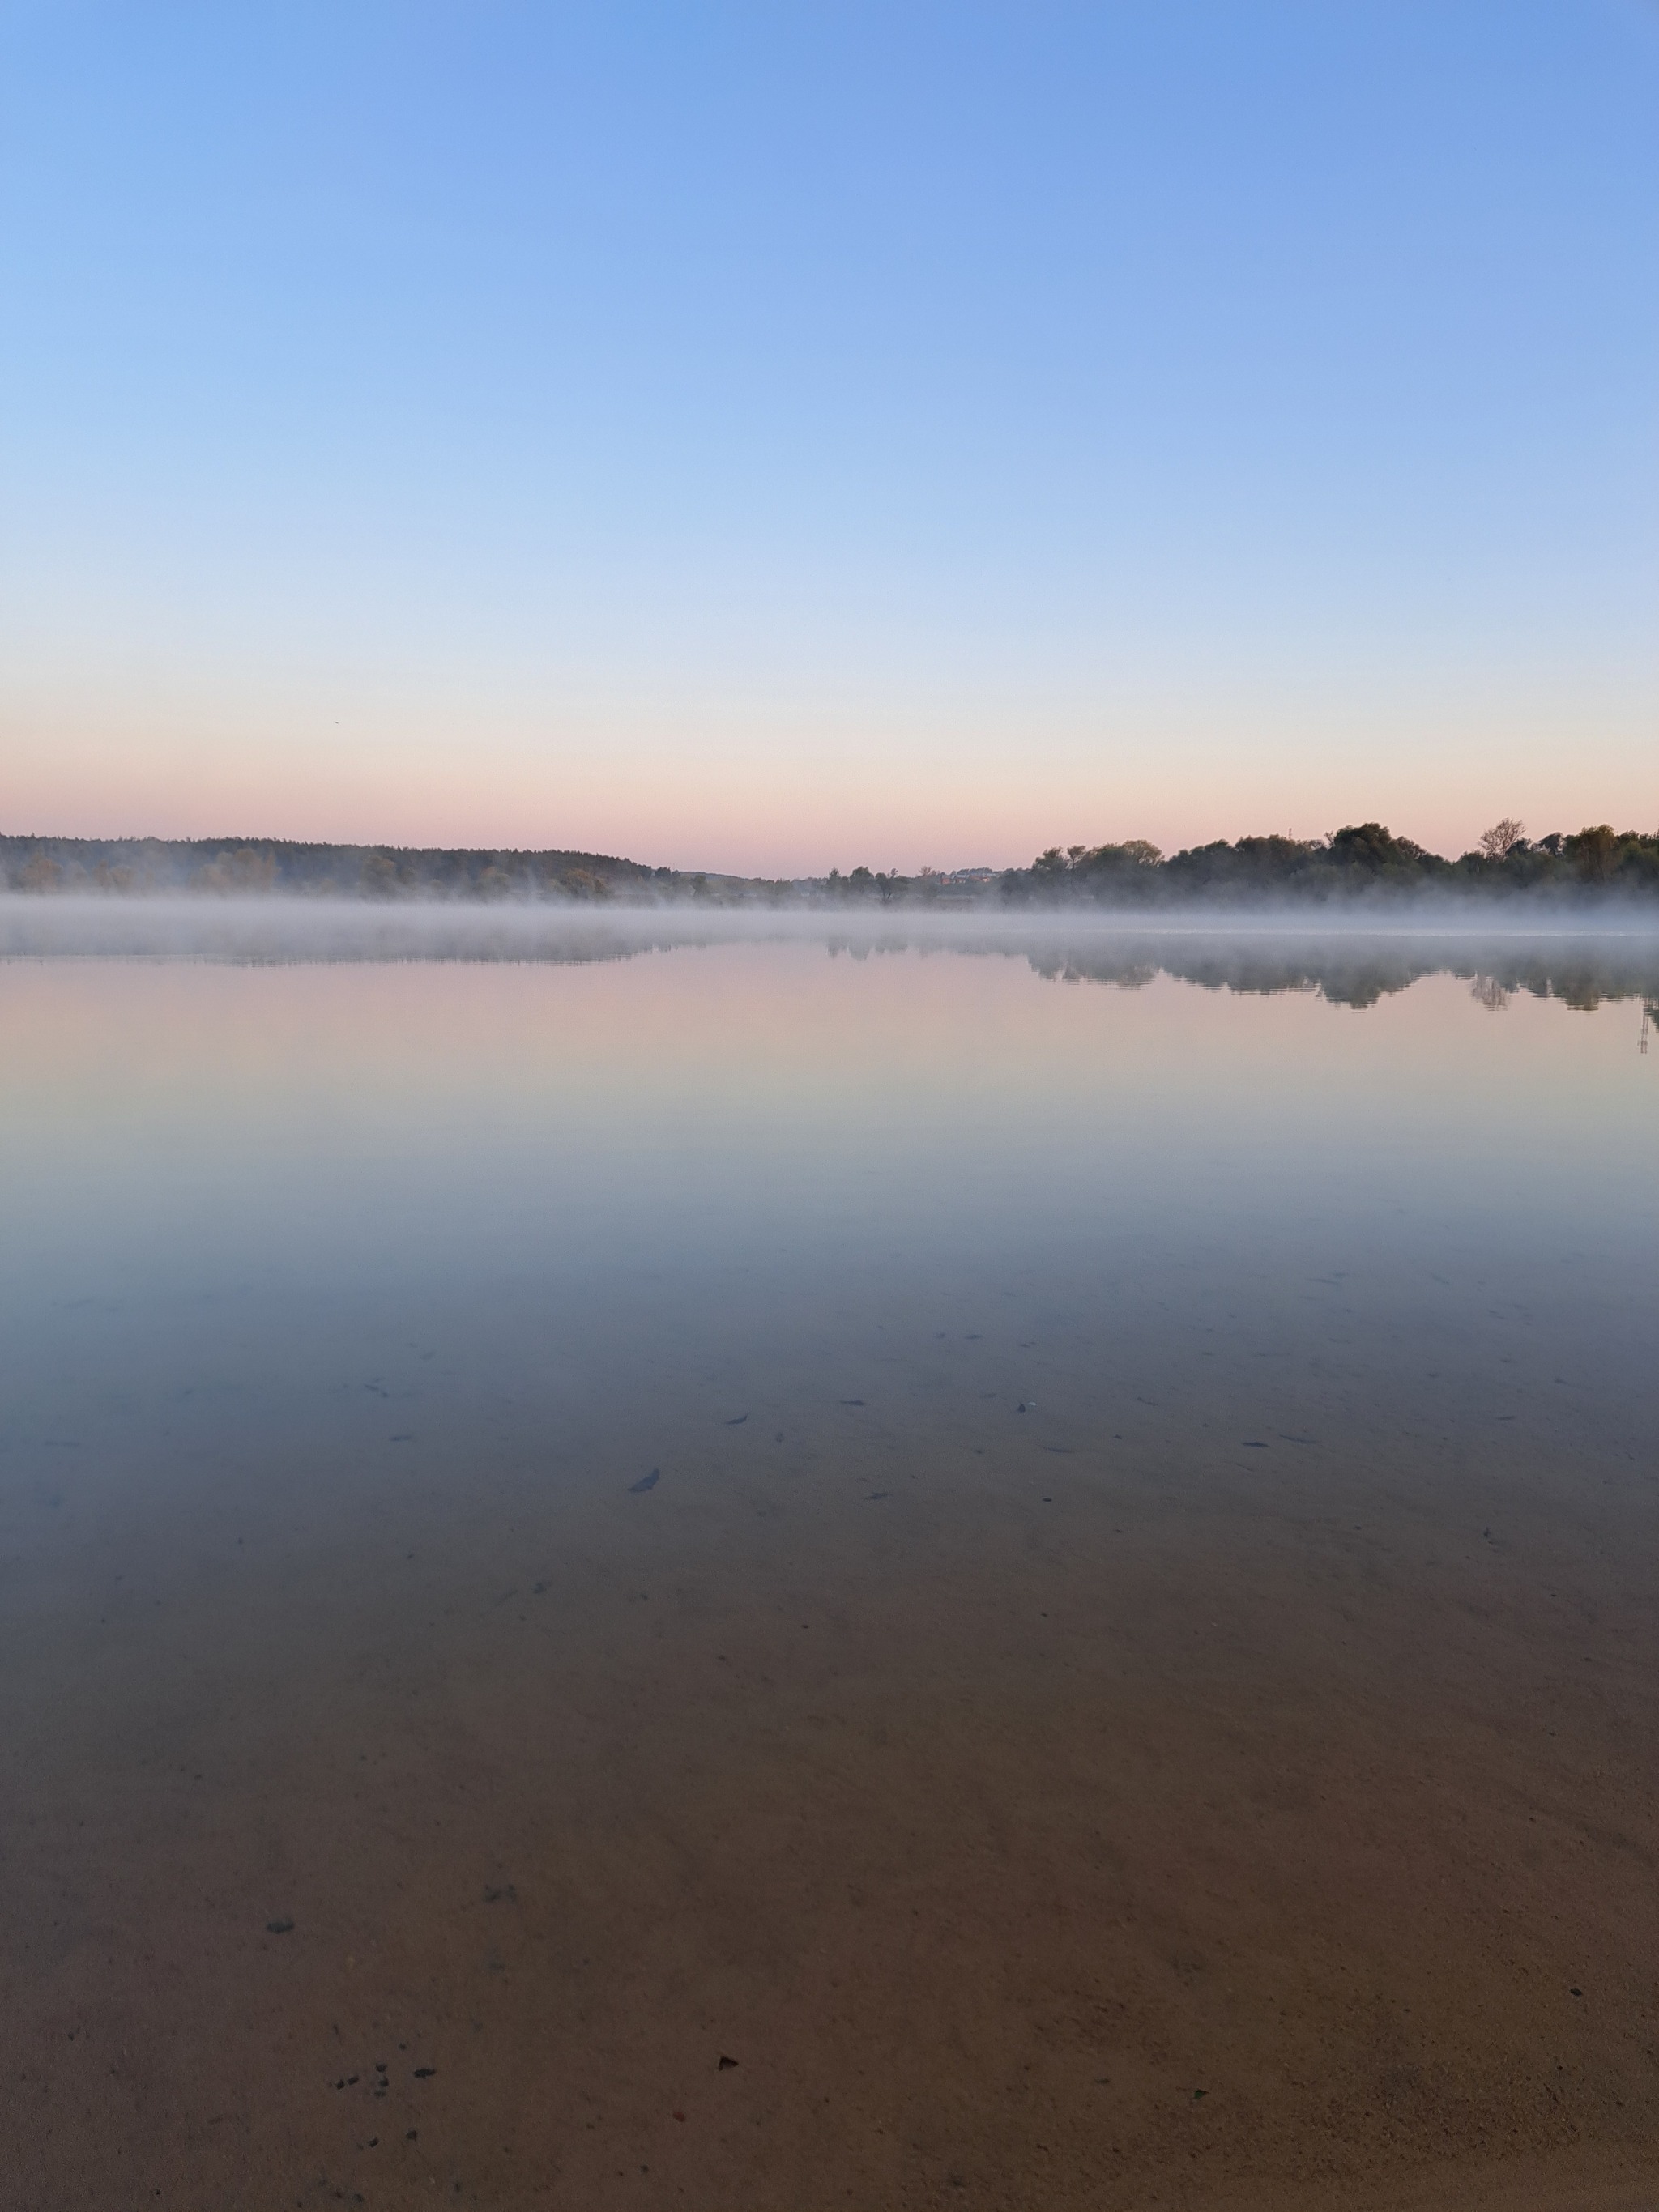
pixel 787 1574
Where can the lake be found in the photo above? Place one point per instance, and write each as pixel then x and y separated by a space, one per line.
pixel 652 1560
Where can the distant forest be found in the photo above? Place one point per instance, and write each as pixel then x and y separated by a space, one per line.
pixel 252 865
pixel 1363 861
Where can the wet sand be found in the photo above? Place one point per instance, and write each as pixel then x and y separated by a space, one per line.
pixel 1052 1829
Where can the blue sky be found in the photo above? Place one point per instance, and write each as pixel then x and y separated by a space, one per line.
pixel 764 437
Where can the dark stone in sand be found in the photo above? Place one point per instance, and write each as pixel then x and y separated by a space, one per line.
pixel 424 2073
pixel 647 1481
pixel 279 1927
pixel 736 1421
pixel 724 2063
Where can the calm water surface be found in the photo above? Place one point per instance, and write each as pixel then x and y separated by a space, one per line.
pixel 1047 1541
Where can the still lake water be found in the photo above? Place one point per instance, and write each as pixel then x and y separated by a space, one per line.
pixel 1045 1538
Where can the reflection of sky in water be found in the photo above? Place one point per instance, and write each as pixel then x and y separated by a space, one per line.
pixel 738 1142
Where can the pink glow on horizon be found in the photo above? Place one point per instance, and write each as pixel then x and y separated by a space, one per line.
pixel 689 791
pixel 966 829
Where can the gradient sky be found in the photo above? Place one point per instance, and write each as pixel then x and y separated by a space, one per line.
pixel 761 437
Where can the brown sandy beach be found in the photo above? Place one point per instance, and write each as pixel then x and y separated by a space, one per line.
pixel 1112 1843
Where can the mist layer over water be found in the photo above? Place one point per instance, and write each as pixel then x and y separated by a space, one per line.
pixel 1004 1528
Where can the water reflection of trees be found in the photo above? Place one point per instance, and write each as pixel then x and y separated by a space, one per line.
pixel 1579 972
pixel 1355 968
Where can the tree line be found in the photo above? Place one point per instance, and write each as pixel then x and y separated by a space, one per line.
pixel 274 865
pixel 1364 861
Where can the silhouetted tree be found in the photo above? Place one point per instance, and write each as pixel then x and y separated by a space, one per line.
pixel 1502 837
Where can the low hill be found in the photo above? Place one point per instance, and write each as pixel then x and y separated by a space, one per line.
pixel 1363 862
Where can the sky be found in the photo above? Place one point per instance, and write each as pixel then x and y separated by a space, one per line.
pixel 765 438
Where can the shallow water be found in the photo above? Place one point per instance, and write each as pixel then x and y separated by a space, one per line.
pixel 1133 1683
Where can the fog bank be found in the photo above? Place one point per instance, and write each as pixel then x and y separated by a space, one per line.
pixel 1350 958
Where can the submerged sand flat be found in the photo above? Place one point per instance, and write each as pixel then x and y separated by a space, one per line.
pixel 1230 1780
